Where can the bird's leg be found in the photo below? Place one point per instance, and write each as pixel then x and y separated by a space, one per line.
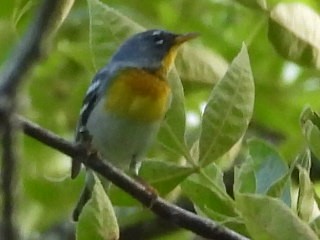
pixel 86 141
pixel 134 166
pixel 84 198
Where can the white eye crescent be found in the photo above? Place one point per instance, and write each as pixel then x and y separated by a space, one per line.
pixel 159 42
pixel 158 32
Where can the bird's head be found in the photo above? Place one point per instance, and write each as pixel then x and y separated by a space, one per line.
pixel 152 50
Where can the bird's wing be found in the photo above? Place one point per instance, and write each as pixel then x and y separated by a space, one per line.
pixel 92 97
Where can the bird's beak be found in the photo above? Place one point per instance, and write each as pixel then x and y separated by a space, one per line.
pixel 181 38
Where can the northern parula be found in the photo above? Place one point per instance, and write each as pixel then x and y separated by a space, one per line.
pixel 126 102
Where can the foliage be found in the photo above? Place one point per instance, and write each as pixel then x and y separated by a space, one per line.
pixel 250 74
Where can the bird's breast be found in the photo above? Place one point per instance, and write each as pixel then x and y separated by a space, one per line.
pixel 138 95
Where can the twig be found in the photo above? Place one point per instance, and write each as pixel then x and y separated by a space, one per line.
pixel 8 182
pixel 188 220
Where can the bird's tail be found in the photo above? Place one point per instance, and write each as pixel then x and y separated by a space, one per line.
pixel 87 192
pixel 84 198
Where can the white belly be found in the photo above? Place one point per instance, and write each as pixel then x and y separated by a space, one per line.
pixel 119 139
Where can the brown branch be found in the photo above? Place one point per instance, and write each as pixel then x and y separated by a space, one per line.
pixel 8 183
pixel 185 219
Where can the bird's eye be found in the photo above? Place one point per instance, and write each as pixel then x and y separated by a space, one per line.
pixel 158 41
pixel 157 38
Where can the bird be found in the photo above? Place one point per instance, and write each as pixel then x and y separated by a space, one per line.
pixel 126 102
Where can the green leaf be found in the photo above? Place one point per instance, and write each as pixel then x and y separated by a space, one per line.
pixel 268 218
pixel 97 220
pixel 281 189
pixel 212 177
pixel 163 176
pixel 306 192
pixel 244 178
pixel 207 191
pixel 295 34
pixel 234 223
pixel 269 167
pixel 200 65
pixel 171 135
pixel 310 123
pixel 305 197
pixel 315 225
pixel 228 111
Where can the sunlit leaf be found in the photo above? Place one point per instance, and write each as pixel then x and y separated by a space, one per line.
pixel 268 218
pixel 295 34
pixel 228 111
pixel 200 65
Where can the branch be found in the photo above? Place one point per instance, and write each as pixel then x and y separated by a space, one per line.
pixel 185 219
pixel 8 183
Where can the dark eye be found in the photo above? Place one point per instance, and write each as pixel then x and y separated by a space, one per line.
pixel 158 38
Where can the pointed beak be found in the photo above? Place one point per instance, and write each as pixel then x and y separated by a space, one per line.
pixel 181 38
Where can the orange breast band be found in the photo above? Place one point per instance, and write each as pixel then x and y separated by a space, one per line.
pixel 138 95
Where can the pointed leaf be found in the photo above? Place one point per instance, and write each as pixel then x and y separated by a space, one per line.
pixel 268 218
pixel 228 112
pixel 295 34
pixel 98 220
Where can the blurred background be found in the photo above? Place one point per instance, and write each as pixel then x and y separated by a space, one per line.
pixel 53 95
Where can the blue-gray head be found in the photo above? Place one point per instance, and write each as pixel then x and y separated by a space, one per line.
pixel 153 50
